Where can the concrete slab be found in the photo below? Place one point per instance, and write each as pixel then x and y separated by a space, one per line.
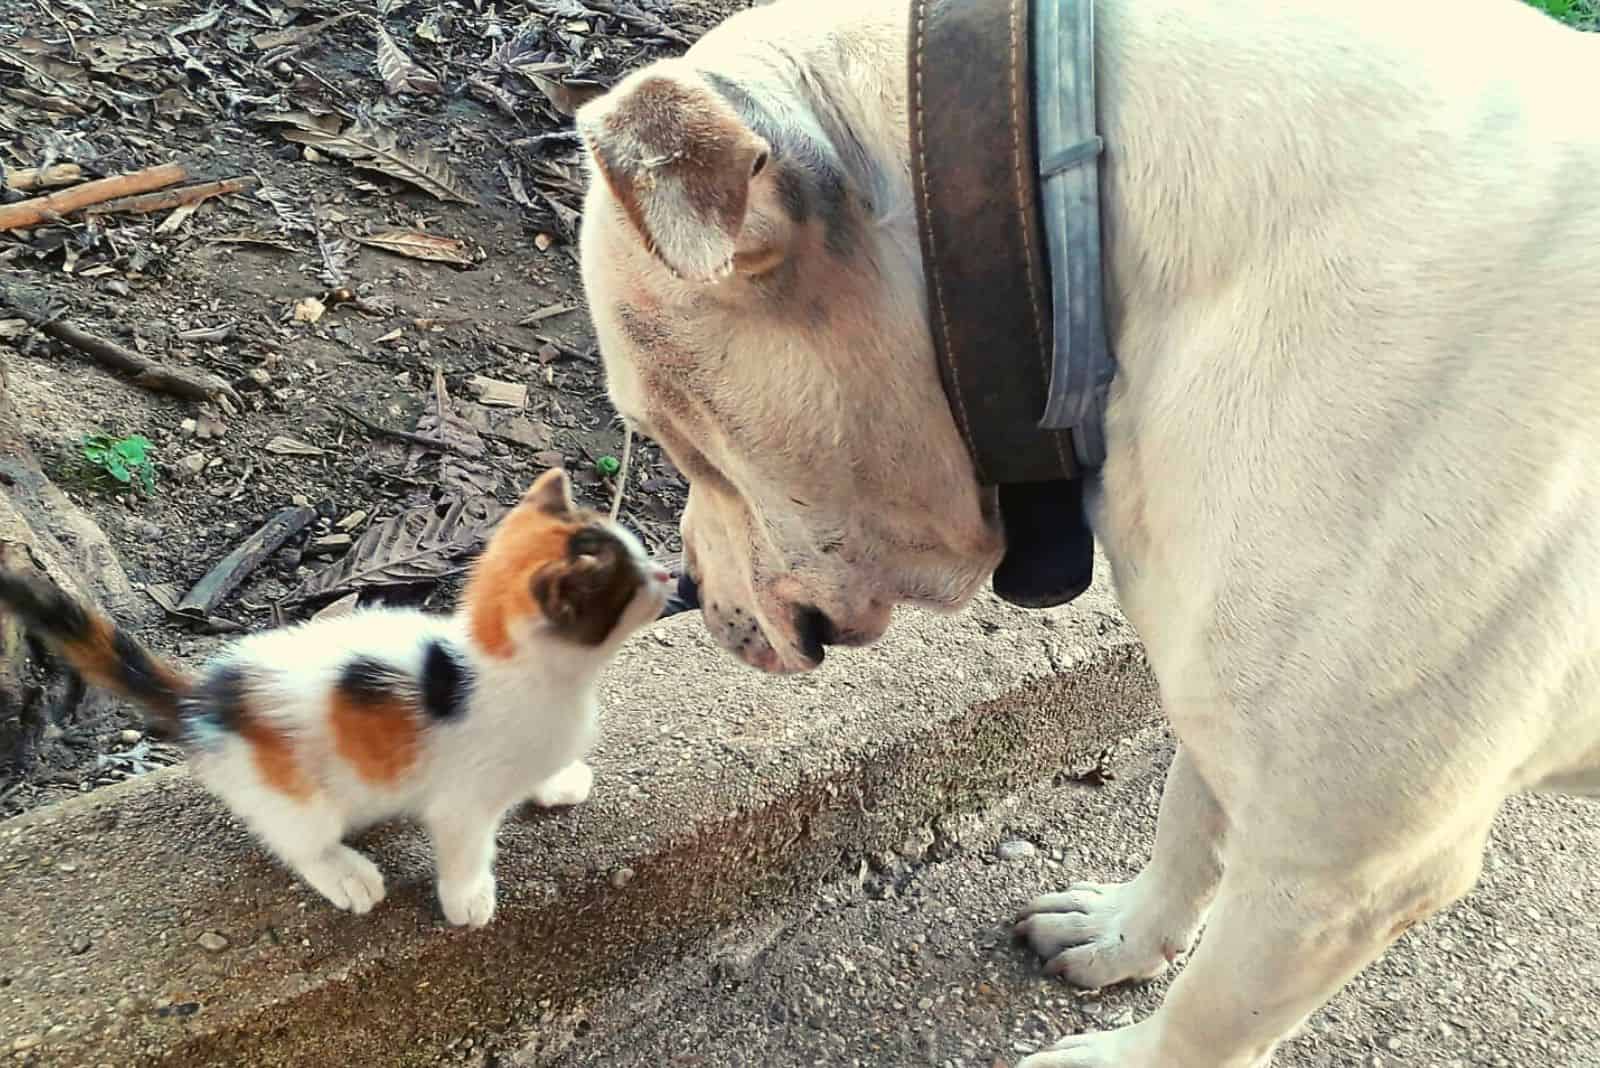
pixel 141 925
pixel 917 967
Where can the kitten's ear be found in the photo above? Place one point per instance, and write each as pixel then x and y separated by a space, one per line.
pixel 551 493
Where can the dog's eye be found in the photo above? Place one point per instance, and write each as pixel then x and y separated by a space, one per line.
pixel 759 165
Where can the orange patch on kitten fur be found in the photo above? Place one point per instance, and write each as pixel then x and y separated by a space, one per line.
pixel 274 757
pixel 500 591
pixel 377 735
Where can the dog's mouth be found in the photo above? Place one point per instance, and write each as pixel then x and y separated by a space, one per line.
pixel 816 632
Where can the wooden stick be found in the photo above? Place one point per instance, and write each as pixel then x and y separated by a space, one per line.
pixel 172 198
pixel 30 178
pixel 232 569
pixel 191 385
pixel 43 209
pixel 32 305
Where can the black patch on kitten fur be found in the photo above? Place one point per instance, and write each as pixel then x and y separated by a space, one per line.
pixel 368 680
pixel 221 699
pixel 446 682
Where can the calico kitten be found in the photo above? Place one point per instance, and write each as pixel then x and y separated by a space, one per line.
pixel 311 731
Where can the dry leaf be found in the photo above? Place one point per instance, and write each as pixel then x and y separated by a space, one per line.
pixel 198 23
pixel 337 253
pixel 342 607
pixel 422 545
pixel 430 29
pixel 282 445
pixel 278 38
pixel 490 93
pixel 498 394
pixel 565 97
pixel 523 431
pixel 309 310
pixel 401 73
pixel 420 246
pixel 292 212
pixel 519 192
pixel 374 148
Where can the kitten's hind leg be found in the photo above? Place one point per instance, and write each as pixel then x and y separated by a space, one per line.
pixel 305 834
pixel 569 786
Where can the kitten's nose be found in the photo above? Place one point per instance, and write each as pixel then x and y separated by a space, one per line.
pixel 661 575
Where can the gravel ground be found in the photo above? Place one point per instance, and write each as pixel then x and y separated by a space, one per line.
pixel 911 965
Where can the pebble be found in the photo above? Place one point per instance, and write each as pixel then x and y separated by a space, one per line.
pixel 130 737
pixel 191 466
pixel 212 942
pixel 621 877
pixel 80 944
pixel 1017 850
pixel 26 1042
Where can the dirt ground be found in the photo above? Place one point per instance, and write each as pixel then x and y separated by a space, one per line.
pixel 914 962
pixel 460 113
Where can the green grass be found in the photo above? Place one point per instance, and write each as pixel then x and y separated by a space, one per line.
pixel 1584 14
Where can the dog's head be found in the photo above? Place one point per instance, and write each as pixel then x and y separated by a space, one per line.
pixel 751 262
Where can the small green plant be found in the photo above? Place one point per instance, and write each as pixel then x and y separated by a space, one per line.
pixel 608 465
pixel 1581 13
pixel 125 459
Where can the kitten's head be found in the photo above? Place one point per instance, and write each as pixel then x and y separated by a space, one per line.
pixel 551 568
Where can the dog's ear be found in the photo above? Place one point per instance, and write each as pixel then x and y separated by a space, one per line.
pixel 680 161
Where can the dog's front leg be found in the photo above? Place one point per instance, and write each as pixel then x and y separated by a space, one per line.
pixel 1278 944
pixel 1096 935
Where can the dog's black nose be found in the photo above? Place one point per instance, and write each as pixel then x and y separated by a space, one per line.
pixel 816 631
pixel 687 599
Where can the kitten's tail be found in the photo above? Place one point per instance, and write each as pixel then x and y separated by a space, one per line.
pixel 97 648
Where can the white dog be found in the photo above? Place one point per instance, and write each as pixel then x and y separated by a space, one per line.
pixel 1352 496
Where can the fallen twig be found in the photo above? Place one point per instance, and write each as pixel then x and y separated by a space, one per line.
pixel 191 385
pixel 422 441
pixel 172 198
pixel 27 179
pixel 231 570
pixel 36 210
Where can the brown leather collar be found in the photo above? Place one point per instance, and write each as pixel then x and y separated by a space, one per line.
pixel 989 288
pixel 983 248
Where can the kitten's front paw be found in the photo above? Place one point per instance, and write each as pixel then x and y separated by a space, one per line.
pixel 469 904
pixel 346 878
pixel 569 786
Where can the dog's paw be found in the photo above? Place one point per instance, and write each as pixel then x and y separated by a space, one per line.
pixel 346 878
pixel 1126 1047
pixel 469 904
pixel 1095 935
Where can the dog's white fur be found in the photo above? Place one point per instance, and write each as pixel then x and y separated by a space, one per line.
pixel 1351 502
